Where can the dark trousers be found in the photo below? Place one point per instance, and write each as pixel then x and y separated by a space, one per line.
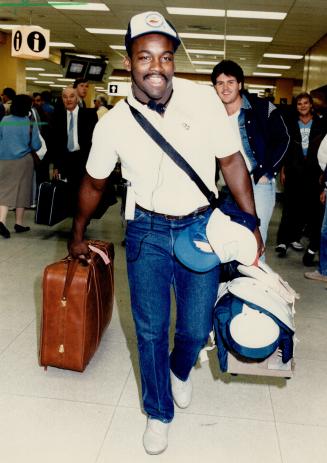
pixel 302 213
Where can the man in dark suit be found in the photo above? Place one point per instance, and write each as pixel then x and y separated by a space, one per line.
pixel 70 139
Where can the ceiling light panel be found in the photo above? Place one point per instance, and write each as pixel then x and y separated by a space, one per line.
pixel 256 14
pixel 61 44
pixel 196 11
pixel 204 62
pixel 204 52
pixel 193 35
pixel 79 6
pixel 117 47
pixel 95 30
pixel 204 71
pixel 269 74
pixel 256 91
pixel 82 55
pixel 282 56
pixel 45 74
pixel 238 38
pixel 261 86
pixel 117 78
pixel 248 38
pixel 229 13
pixel 273 66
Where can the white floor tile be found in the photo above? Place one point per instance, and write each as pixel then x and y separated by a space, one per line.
pixel 17 316
pixel 302 444
pixel 192 439
pixel 313 300
pixel 304 399
pixel 6 337
pixel 34 430
pixel 101 382
pixel 312 347
pixel 220 396
pixel 122 325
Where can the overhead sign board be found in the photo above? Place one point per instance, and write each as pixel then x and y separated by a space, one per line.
pixel 30 42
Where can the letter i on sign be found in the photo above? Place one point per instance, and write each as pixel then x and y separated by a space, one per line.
pixel 36 42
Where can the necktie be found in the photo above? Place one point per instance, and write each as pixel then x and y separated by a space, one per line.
pixel 70 144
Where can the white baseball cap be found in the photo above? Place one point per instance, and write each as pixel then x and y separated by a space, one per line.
pixel 230 240
pixel 150 22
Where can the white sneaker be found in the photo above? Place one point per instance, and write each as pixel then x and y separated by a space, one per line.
pixel 316 275
pixel 297 246
pixel 182 391
pixel 155 437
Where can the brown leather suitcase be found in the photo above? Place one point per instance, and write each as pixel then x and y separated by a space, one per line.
pixel 77 307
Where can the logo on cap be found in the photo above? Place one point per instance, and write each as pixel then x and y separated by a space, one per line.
pixel 154 20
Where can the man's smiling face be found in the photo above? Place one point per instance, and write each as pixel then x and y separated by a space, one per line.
pixel 152 67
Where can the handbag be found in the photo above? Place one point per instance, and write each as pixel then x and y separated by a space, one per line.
pixel 223 236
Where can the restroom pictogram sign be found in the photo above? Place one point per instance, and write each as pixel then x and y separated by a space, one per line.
pixel 30 42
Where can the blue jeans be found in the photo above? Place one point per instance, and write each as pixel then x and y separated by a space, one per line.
pixel 323 245
pixel 265 199
pixel 152 271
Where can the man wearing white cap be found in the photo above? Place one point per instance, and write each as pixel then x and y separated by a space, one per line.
pixel 162 201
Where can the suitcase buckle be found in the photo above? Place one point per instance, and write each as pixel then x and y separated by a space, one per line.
pixel 63 302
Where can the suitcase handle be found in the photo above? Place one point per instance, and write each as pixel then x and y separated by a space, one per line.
pixel 72 266
pixel 71 269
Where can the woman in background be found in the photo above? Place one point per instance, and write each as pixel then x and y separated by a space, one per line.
pixel 18 138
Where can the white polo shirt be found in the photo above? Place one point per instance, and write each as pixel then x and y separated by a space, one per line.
pixel 195 123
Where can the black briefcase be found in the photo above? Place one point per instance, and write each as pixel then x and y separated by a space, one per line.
pixel 53 203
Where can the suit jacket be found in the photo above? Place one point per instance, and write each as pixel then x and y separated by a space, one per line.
pixel 63 160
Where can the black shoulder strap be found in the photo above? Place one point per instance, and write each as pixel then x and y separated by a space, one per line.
pixel 173 154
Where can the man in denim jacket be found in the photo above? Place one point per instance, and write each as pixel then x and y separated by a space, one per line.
pixel 262 135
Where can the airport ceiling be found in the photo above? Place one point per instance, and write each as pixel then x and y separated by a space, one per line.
pixel 219 33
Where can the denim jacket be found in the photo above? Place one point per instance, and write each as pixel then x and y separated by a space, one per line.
pixel 264 136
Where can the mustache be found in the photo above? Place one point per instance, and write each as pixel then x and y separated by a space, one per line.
pixel 157 74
